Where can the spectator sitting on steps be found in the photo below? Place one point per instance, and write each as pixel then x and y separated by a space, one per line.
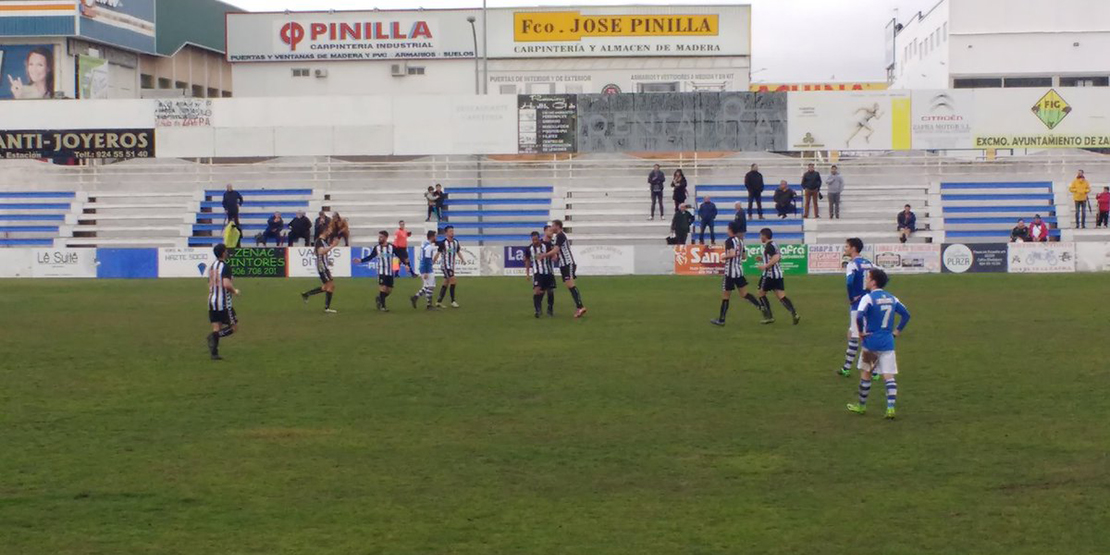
pixel 320 229
pixel 1038 231
pixel 300 228
pixel 741 219
pixel 1020 233
pixel 784 200
pixel 907 224
pixel 273 229
pixel 339 228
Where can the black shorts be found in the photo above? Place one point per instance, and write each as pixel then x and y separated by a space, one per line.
pixel 543 281
pixel 772 284
pixel 386 281
pixel 225 317
pixel 448 273
pixel 569 272
pixel 733 283
pixel 325 276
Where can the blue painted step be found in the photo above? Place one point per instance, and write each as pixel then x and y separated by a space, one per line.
pixel 998 185
pixel 28 229
pixel 46 206
pixel 32 217
pixel 990 233
pixel 257 203
pixel 500 201
pixel 1014 196
pixel 496 190
pixel 26 242
pixel 1038 209
pixel 1049 219
pixel 495 213
pixel 39 194
pixel 247 193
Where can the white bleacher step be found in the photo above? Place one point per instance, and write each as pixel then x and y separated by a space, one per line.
pixel 123 242
pixel 399 204
pixel 871 236
pixel 133 206
pixel 183 230
pixel 1089 234
pixel 195 195
pixel 176 216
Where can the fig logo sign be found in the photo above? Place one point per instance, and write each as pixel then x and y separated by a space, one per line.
pixel 1051 109
pixel 292 34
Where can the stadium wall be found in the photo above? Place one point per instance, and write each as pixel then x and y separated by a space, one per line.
pixel 593 260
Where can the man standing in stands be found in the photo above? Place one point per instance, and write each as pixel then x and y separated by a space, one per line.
pixel 811 186
pixel 708 214
pixel 232 201
pixel 1103 207
pixel 907 224
pixel 300 228
pixel 836 186
pixel 656 180
pixel 753 182
pixel 273 229
pixel 680 224
pixel 1079 190
pixel 1038 232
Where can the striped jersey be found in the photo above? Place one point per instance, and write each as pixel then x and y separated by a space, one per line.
pixel 427 255
pixel 321 256
pixel 450 249
pixel 734 267
pixel 774 271
pixel 565 258
pixel 219 297
pixel 541 266
pixel 384 256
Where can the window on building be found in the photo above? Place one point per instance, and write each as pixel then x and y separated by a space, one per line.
pixel 657 87
pixel 146 81
pixel 539 88
pixel 945 28
pixel 977 83
pixel 180 85
pixel 416 70
pixel 1017 82
pixel 508 89
pixel 1085 81
pixel 198 91
pixel 163 83
pixel 301 72
pixel 213 93
pixel 574 89
pixel 225 94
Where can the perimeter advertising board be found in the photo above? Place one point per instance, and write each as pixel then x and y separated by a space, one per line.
pixel 860 120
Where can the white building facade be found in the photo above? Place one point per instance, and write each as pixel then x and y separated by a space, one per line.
pixel 499 51
pixel 1003 43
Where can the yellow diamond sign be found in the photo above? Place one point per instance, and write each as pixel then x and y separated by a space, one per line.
pixel 1051 109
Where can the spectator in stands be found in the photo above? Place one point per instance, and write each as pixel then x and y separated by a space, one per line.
pixel 811 186
pixel 273 229
pixel 1020 233
pixel 300 228
pixel 1103 208
pixel 401 246
pixel 784 200
pixel 430 196
pixel 1079 190
pixel 1038 231
pixel 836 186
pixel 907 224
pixel 681 223
pixel 741 219
pixel 441 203
pixel 339 229
pixel 708 214
pixel 320 229
pixel 232 201
pixel 656 180
pixel 678 183
pixel 753 182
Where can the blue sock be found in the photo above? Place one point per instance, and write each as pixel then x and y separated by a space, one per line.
pixel 891 393
pixel 864 389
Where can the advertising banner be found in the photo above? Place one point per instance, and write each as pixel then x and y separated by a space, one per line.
pixel 302 262
pixel 1041 118
pixel 126 263
pixel 92 77
pixel 370 269
pixel 620 31
pixel 117 144
pixel 1041 258
pixel 1092 257
pixel 959 258
pixel 943 119
pixel 184 263
pixel 16 263
pixel 825 87
pixel 863 120
pixel 27 71
pixel 830 259
pixel 794 259
pixel 258 262
pixel 514 261
pixel 126 23
pixel 64 263
pixel 350 36
pixel 698 260
pixel 597 260
pixel 908 258
pixel 463 125
pixel 183 112
pixel 547 123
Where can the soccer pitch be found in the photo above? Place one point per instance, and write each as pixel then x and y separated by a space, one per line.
pixel 640 429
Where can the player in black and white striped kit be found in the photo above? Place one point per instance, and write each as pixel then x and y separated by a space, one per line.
pixel 772 278
pixel 567 266
pixel 220 312
pixel 734 272
pixel 328 288
pixel 383 251
pixel 539 261
pixel 450 255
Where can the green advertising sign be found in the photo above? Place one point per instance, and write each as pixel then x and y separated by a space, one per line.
pixel 262 262
pixel 795 259
pixel 92 77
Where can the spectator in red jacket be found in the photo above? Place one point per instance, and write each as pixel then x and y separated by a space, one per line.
pixel 1103 207
pixel 1038 230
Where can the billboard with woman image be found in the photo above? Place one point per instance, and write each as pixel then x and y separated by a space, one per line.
pixel 26 71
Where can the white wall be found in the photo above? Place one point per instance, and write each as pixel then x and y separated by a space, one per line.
pixel 1034 54
pixel 590 76
pixel 353 78
pixel 922 51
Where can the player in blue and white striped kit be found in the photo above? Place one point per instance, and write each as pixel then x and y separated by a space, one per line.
pixel 428 253
pixel 876 315
pixel 855 273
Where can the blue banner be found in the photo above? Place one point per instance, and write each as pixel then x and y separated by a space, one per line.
pixel 126 263
pixel 370 269
pixel 124 23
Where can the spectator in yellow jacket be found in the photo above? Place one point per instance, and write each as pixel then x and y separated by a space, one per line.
pixel 1079 189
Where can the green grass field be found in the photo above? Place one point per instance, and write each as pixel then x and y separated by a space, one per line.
pixel 639 430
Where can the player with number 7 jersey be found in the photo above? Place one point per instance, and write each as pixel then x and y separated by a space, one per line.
pixel 876 321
